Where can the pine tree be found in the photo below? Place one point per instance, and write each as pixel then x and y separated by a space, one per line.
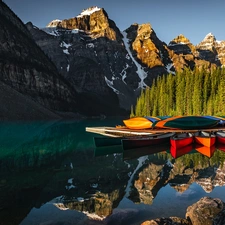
pixel 180 87
pixel 197 93
pixel 220 97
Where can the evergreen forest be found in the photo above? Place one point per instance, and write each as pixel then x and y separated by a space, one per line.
pixel 189 92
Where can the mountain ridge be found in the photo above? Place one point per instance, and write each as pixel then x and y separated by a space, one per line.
pixel 145 56
pixel 87 59
pixel 92 9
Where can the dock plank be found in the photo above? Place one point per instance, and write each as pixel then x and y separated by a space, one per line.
pixel 126 131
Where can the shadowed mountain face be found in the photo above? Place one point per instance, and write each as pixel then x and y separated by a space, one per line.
pixel 25 68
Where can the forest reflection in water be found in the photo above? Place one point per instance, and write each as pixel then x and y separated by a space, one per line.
pixel 51 172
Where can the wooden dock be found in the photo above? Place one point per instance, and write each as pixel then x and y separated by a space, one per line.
pixel 115 132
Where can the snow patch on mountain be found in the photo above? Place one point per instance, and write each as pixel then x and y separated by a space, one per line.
pixel 127 56
pixel 65 46
pixel 209 35
pixel 89 11
pixel 70 184
pixel 75 31
pixel 56 20
pixel 51 30
pixel 90 45
pixel 68 67
pixel 168 68
pixel 110 84
pixel 141 73
pixel 175 44
pixel 55 31
pixel 124 73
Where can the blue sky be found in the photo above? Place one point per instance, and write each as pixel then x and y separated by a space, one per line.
pixel 169 18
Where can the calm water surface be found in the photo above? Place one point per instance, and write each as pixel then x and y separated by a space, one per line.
pixel 51 173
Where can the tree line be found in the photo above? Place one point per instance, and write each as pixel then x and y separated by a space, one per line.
pixel 189 92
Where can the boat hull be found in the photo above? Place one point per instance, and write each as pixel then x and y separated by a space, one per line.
pixel 181 140
pixel 220 137
pixel 177 152
pixel 129 143
pixel 207 151
pixel 138 123
pixel 220 146
pixel 186 122
pixel 204 138
pixel 107 141
pixel 142 151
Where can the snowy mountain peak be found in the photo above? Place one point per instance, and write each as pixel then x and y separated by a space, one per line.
pixel 89 11
pixel 209 38
pixel 209 35
pixel 86 12
pixel 57 20
pixel 180 39
pixel 208 42
pixel 54 23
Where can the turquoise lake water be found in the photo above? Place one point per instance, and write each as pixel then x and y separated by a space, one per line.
pixel 51 173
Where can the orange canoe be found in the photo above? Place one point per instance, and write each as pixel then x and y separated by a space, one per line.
pixel 138 123
pixel 207 151
pixel 205 138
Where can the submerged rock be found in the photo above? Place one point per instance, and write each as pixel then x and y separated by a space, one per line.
pixel 167 221
pixel 205 211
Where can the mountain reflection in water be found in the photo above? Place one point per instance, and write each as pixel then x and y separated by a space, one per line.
pixel 52 173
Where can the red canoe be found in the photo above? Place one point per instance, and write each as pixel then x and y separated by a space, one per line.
pixel 177 152
pixel 180 140
pixel 220 137
pixel 220 146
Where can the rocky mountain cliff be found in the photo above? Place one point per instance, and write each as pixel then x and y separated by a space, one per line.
pixel 89 60
pixel 89 52
pixel 99 60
